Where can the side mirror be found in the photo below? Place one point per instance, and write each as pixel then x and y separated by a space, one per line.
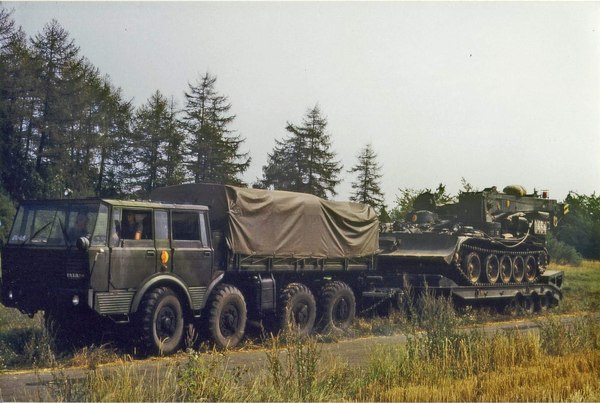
pixel 83 243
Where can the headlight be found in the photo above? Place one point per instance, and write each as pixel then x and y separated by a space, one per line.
pixel 75 300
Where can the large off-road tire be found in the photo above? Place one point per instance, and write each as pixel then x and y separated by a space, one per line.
pixel 162 321
pixel 297 310
pixel 338 307
pixel 227 316
pixel 72 328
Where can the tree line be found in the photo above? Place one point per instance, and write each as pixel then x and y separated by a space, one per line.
pixel 66 127
pixel 67 130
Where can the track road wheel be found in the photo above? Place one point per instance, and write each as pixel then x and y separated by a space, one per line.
pixel 518 269
pixel 338 307
pixel 506 269
pixel 530 269
pixel 162 321
pixel 471 265
pixel 227 315
pixel 491 266
pixel 298 310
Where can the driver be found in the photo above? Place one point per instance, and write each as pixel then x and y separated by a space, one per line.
pixel 80 228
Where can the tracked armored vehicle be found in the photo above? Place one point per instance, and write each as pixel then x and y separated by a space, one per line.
pixel 487 238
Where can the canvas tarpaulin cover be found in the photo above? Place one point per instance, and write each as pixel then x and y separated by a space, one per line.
pixel 283 224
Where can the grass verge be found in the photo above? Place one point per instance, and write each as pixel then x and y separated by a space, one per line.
pixel 559 362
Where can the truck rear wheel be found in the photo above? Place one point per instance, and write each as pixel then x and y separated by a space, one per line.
pixel 298 310
pixel 338 306
pixel 227 316
pixel 162 321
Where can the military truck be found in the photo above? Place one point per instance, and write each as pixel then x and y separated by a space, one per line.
pixel 217 257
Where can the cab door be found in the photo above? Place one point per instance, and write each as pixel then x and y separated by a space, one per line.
pixel 131 260
pixel 191 251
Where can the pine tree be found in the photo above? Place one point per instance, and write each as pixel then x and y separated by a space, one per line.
pixel 57 58
pixel 18 96
pixel 115 166
pixel 62 125
pixel 304 162
pixel 367 187
pixel 213 150
pixel 158 144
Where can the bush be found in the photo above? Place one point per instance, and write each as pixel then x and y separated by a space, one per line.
pixel 563 253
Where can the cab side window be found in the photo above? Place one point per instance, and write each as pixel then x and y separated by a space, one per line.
pixel 136 225
pixel 161 221
pixel 185 226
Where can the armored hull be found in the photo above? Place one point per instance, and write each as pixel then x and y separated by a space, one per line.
pixel 486 238
pixel 466 259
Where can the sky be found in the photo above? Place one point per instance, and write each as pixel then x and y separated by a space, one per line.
pixel 497 93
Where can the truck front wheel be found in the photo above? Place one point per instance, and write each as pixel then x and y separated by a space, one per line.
pixel 298 310
pixel 227 316
pixel 162 321
pixel 71 328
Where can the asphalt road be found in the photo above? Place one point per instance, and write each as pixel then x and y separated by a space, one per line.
pixel 35 385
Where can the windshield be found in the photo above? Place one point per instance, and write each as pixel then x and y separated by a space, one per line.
pixel 59 223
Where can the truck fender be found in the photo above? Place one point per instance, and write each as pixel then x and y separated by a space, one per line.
pixel 167 279
pixel 214 282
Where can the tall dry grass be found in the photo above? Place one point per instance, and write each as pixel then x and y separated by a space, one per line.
pixel 439 362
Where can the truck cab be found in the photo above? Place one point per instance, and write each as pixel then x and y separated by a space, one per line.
pixel 108 258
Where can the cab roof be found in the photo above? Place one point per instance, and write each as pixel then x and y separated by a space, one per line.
pixel 120 203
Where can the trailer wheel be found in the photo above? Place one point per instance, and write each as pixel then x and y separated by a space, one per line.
pixel 530 269
pixel 506 270
pixel 298 310
pixel 527 305
pixel 162 321
pixel 518 269
pixel 543 302
pixel 471 265
pixel 227 316
pixel 338 306
pixel 492 269
pixel 512 308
